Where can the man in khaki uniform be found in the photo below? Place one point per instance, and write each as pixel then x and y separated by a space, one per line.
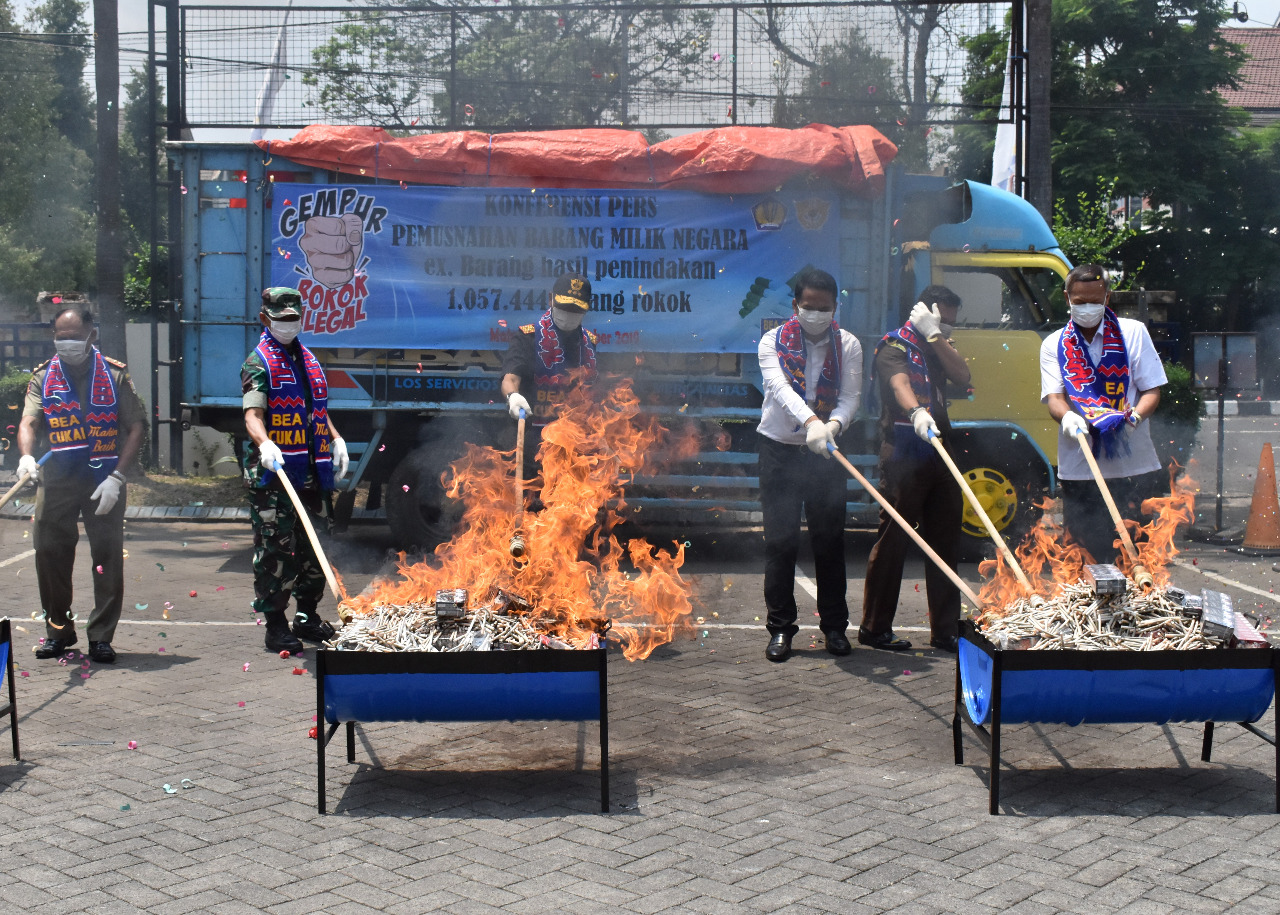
pixel 82 408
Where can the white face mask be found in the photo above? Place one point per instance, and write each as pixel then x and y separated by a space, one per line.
pixel 286 332
pixel 1087 314
pixel 567 320
pixel 815 322
pixel 72 352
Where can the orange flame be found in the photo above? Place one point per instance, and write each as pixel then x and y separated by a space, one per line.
pixel 1049 557
pixel 573 571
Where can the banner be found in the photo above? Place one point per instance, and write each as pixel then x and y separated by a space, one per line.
pixel 393 267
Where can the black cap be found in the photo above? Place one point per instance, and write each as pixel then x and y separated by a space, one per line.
pixel 572 290
pixel 282 303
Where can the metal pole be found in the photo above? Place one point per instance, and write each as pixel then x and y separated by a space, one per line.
pixel 1221 440
pixel 733 60
pixel 176 118
pixel 153 237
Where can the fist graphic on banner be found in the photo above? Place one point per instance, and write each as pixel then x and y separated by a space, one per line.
pixel 332 245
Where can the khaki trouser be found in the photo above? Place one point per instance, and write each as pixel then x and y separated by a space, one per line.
pixel 59 507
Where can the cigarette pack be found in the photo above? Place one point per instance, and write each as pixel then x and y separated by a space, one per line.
pixel 1217 615
pixel 1246 635
pixel 451 603
pixel 1106 579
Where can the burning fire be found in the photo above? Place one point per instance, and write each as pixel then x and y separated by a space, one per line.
pixel 1049 557
pixel 572 572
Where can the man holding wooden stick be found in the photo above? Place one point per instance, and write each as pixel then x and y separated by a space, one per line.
pixel 82 408
pixel 912 366
pixel 286 414
pixel 1101 376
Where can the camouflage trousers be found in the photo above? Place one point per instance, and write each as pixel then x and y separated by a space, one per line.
pixel 284 561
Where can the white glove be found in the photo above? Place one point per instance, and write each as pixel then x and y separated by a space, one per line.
pixel 834 428
pixel 27 464
pixel 816 436
pixel 107 494
pixel 516 403
pixel 1074 425
pixel 341 460
pixel 270 456
pixel 924 424
pixel 928 322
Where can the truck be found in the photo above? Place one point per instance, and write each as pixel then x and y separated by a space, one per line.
pixel 418 257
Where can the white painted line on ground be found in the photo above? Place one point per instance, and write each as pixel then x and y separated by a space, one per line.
pixel 12 559
pixel 1227 581
pixel 805 582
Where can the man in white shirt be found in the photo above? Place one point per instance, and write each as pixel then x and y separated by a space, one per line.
pixel 1101 376
pixel 812 372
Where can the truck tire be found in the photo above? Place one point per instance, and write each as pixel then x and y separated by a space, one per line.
pixel 1010 492
pixel 419 513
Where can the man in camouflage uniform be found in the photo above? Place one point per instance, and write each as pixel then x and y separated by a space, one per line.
pixel 286 415
pixel 82 408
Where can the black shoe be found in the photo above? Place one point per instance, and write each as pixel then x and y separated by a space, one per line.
pixel 310 627
pixel 102 652
pixel 55 648
pixel 779 647
pixel 838 644
pixel 884 640
pixel 279 638
pixel 950 644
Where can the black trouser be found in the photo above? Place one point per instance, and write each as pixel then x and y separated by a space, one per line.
pixel 927 496
pixel 60 504
pixel 1087 519
pixel 791 478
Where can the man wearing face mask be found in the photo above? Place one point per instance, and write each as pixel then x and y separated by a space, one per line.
pixel 812 373
pixel 1101 376
pixel 545 358
pixel 542 357
pixel 912 366
pixel 286 413
pixel 81 407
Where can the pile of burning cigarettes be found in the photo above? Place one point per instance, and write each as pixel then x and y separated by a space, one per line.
pixel 1106 611
pixel 503 624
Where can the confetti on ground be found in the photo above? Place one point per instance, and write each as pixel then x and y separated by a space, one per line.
pixel 124 807
pixel 160 567
pixel 906 673
pixel 141 606
pixel 298 671
pixel 23 673
pixel 240 704
pixel 219 588
pixel 284 655
pixel 133 745
pixel 193 594
pixel 169 789
pixel 246 669
pixel 314 733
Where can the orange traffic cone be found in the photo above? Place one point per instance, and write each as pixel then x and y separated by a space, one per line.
pixel 1262 535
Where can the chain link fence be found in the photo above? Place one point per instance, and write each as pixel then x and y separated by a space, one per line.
pixel 493 67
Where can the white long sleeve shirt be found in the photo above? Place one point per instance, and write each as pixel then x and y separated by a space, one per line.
pixel 785 412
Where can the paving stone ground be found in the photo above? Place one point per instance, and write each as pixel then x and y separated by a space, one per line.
pixel 818 785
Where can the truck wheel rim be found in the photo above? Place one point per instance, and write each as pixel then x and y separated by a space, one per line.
pixel 997 497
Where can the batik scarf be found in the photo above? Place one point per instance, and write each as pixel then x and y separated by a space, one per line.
pixel 791 359
pixel 288 425
pixel 77 436
pixel 1098 392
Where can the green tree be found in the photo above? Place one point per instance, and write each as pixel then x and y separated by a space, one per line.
pixel 46 221
pixel 67 36
pixel 1089 232
pixel 848 83
pixel 513 68
pixel 137 147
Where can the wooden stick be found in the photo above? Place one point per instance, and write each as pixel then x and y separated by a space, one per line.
pixel 902 522
pixel 1123 531
pixel 977 507
pixel 517 546
pixel 22 481
pixel 311 533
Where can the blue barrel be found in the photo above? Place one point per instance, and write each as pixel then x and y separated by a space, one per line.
pixel 549 685
pixel 1109 687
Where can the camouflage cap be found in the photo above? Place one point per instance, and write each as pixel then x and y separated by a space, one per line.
pixel 282 303
pixel 572 291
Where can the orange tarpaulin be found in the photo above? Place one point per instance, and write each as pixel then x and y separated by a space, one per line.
pixel 722 161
